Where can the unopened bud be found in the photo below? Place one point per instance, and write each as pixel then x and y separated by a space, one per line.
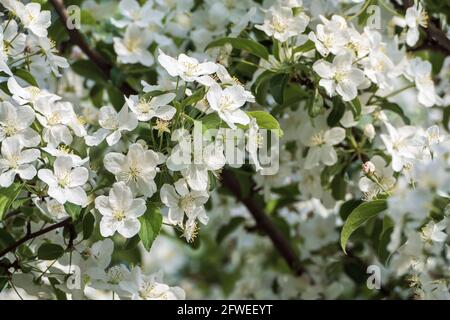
pixel 368 168
pixel 369 131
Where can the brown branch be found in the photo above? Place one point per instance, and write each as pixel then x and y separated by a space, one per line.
pixel 228 179
pixel 263 222
pixel 36 234
pixel 78 39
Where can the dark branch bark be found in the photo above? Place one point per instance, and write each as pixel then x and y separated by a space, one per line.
pixel 36 234
pixel 78 39
pixel 228 179
pixel 263 222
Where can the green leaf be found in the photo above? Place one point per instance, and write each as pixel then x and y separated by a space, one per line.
pixel 73 210
pixel 307 46
pixel 50 251
pixel 338 187
pixel 386 105
pixel 446 118
pixel 336 113
pixel 131 243
pixel 151 223
pixel 86 18
pixel 315 104
pixel 25 75
pixel 89 70
pixel 384 239
pixel 266 121
pixel 229 228
pixel 96 95
pixel 194 98
pixel 88 225
pixel 347 208
pixel 260 85
pixel 243 44
pixel 7 197
pixel 116 97
pixel 277 86
pixel 212 121
pixel 361 214
pixel 356 107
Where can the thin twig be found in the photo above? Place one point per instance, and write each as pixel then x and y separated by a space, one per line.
pixel 36 234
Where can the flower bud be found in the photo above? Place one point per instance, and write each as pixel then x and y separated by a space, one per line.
pixel 369 131
pixel 368 168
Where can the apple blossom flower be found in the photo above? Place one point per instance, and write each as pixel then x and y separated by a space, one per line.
pixel 15 122
pixel 15 161
pixel 194 167
pixel 181 201
pixel 51 208
pixel 320 139
pixel 112 124
pixel 65 182
pixel 435 231
pixel 150 287
pixel 133 13
pixel 137 169
pixel 187 68
pixel 330 37
pixel 415 16
pixel 420 71
pixel 281 23
pixel 227 103
pixel 339 76
pixel 34 19
pixel 146 109
pixel 133 48
pixel 399 145
pixel 55 118
pixel 120 211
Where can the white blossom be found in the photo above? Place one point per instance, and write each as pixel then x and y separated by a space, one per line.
pixel 120 211
pixel 137 169
pixel 65 182
pixel 15 161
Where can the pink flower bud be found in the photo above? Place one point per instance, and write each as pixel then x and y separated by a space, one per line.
pixel 368 168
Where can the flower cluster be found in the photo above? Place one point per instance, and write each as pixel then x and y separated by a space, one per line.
pixel 117 161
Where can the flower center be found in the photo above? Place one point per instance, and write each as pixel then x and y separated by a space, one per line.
pixel 118 215
pixel 10 129
pixel 111 123
pixel 187 203
pixel 14 161
pixel 340 76
pixel 144 106
pixel 225 103
pixel 278 24
pixel 64 180
pixel 318 139
pixel 132 44
pixel 146 290
pixel 54 119
pixel 115 275
pixel 190 68
pixel 33 91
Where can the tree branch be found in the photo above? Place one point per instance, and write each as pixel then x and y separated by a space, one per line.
pixel 78 39
pixel 228 179
pixel 263 222
pixel 36 234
